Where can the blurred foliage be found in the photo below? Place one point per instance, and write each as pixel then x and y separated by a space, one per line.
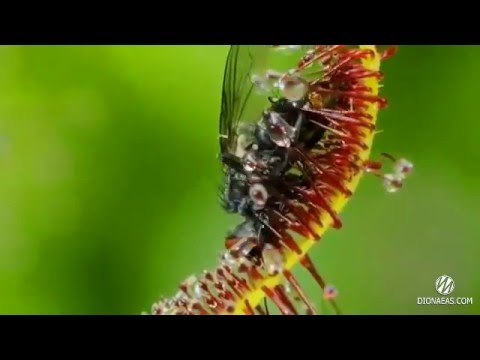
pixel 109 174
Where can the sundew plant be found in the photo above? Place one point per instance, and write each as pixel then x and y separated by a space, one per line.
pixel 297 126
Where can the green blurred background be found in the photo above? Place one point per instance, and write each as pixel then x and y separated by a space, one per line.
pixel 109 173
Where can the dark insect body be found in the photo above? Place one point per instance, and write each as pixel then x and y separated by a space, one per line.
pixel 259 158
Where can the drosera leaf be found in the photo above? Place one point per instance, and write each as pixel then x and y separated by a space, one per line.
pixel 348 96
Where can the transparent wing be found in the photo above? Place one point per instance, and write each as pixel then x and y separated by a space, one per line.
pixel 240 101
pixel 243 99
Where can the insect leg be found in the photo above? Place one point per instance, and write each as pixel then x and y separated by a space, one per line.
pixel 298 126
pixel 233 162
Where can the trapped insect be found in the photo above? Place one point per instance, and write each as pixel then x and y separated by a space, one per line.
pixel 266 130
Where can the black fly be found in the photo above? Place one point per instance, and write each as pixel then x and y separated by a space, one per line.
pixel 257 134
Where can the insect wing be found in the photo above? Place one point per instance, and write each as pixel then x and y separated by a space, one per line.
pixel 240 100
pixel 251 76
